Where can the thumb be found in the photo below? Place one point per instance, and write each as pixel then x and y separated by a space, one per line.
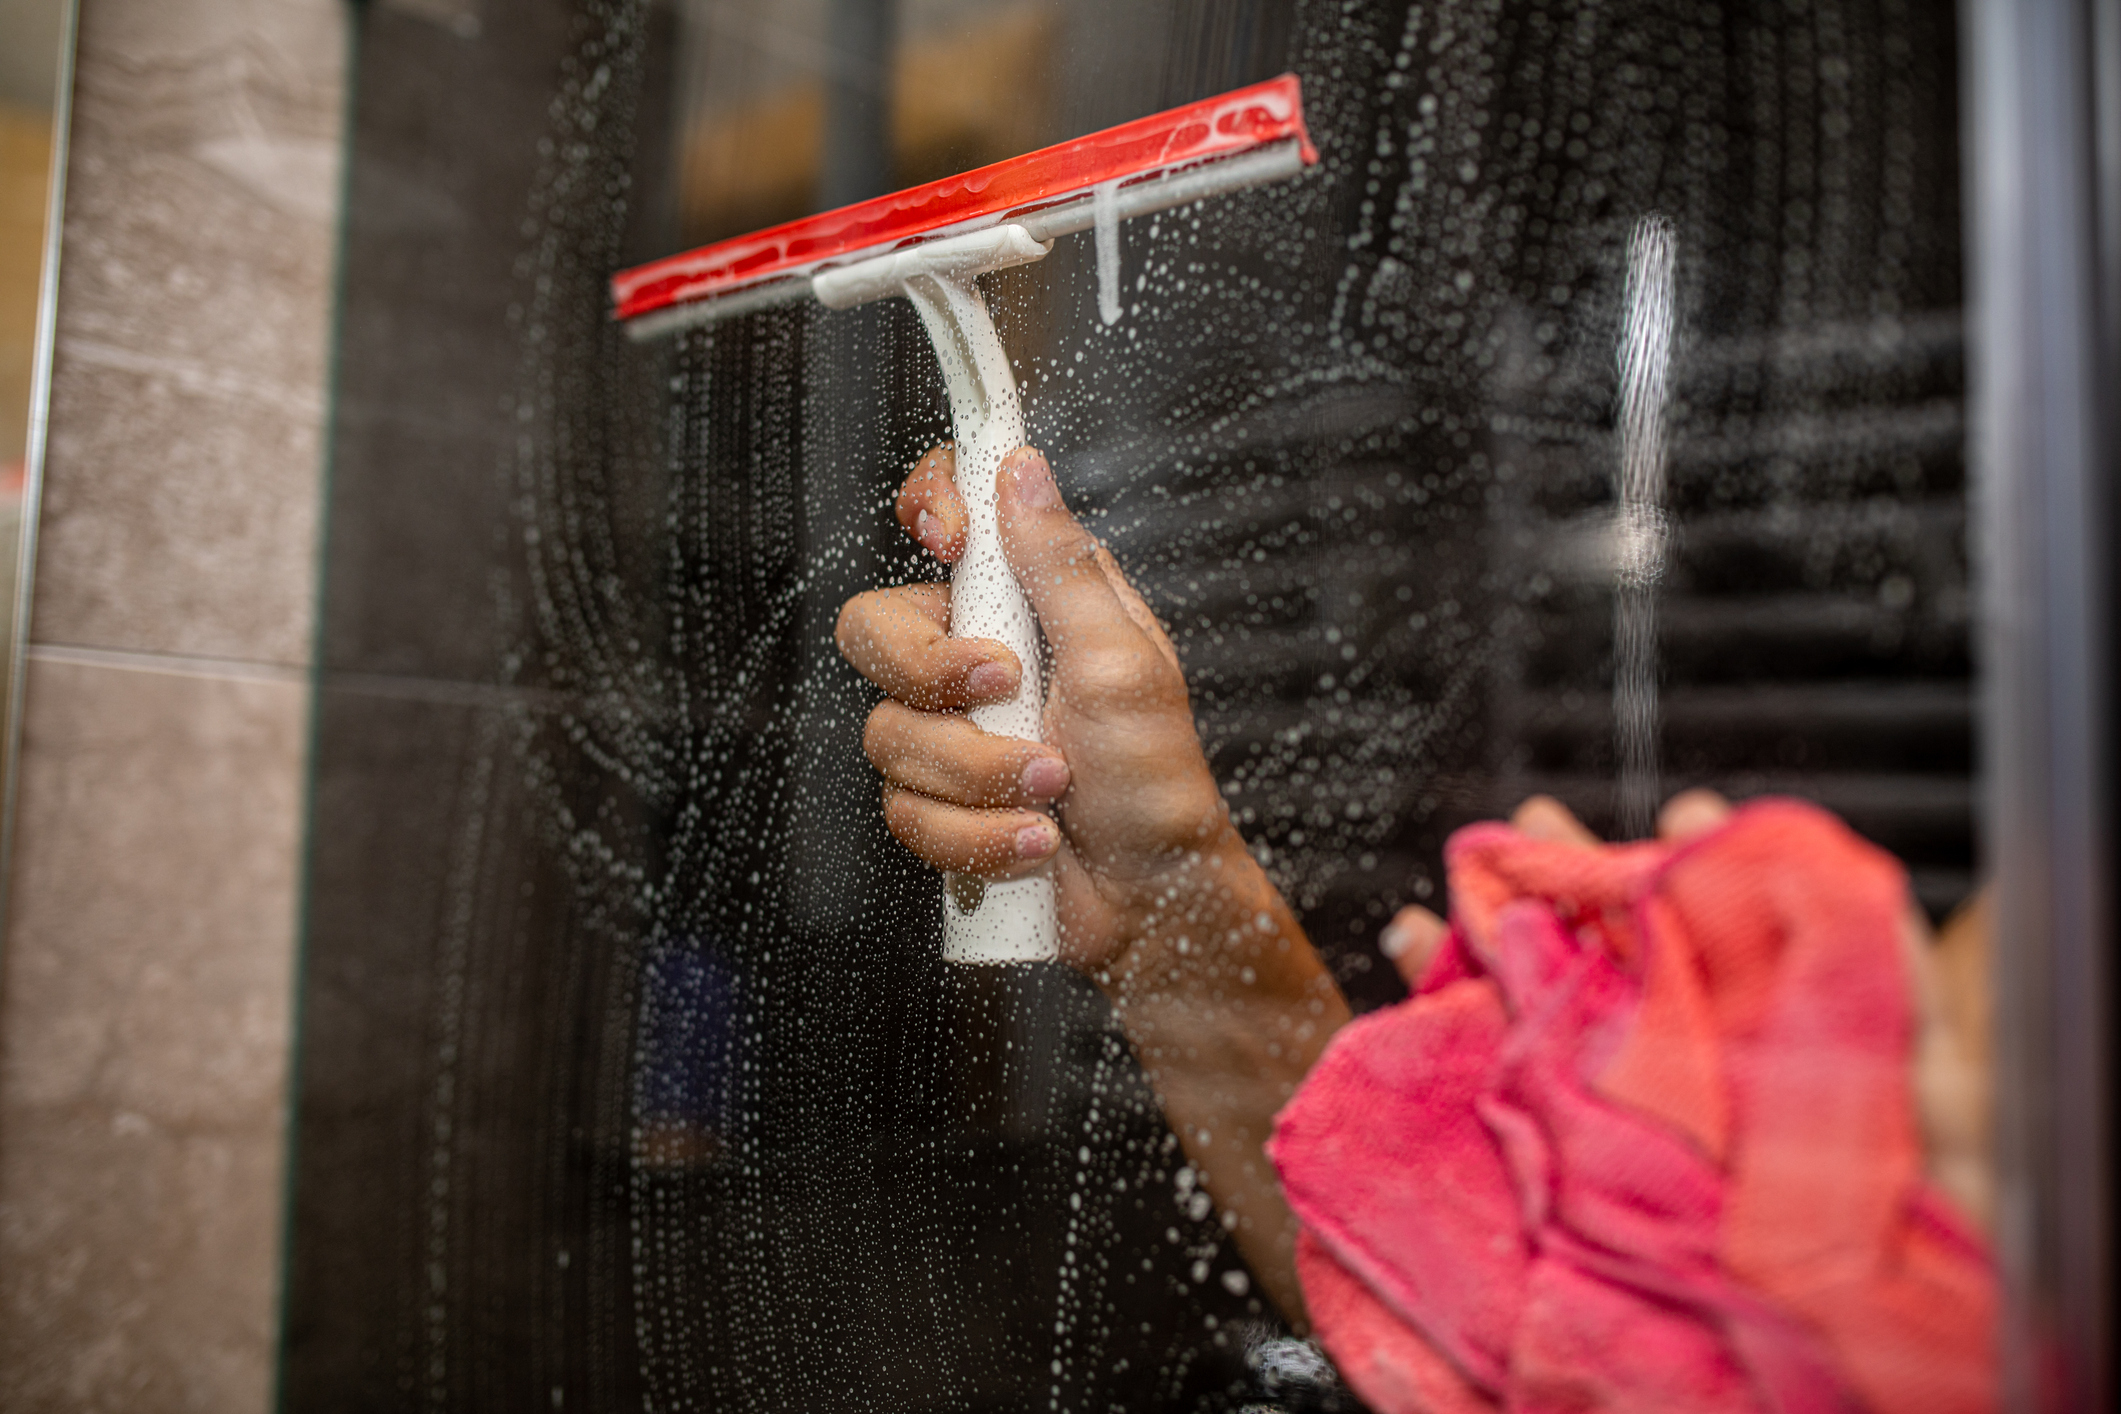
pixel 1056 560
pixel 1412 940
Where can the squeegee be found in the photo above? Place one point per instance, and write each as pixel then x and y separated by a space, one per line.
pixel 931 243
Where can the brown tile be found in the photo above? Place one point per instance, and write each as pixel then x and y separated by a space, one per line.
pixel 200 230
pixel 202 187
pixel 177 520
pixel 146 1282
pixel 144 1027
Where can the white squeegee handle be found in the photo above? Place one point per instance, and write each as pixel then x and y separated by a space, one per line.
pixel 1011 921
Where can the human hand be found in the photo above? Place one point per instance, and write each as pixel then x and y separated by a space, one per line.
pixel 1134 811
pixel 1411 939
pixel 1949 1061
pixel 1223 999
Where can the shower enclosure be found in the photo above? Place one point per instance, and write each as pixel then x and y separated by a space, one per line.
pixel 1592 421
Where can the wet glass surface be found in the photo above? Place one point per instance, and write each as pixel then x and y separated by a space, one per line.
pixel 631 1074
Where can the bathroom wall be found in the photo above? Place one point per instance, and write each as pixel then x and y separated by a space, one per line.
pixel 29 63
pixel 145 1004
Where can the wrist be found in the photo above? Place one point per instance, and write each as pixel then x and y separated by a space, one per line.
pixel 1222 996
pixel 1214 915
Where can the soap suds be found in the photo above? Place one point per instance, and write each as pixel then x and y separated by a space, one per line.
pixel 1104 217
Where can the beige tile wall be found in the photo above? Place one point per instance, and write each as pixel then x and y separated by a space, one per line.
pixel 146 980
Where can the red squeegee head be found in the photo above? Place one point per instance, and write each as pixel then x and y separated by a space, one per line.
pixel 1194 136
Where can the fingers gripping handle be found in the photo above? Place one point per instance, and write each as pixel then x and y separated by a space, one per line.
pixel 1012 921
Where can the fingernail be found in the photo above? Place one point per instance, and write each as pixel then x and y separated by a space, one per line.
pixel 929 531
pixel 1394 941
pixel 991 679
pixel 1034 483
pixel 1045 777
pixel 1036 841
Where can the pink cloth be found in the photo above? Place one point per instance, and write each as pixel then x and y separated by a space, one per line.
pixel 1643 1140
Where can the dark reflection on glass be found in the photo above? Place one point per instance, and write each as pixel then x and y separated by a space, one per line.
pixel 631 1076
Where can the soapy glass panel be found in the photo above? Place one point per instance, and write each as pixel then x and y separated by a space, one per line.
pixel 1588 422
pixel 32 114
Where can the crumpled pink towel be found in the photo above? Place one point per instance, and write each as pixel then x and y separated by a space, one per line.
pixel 1643 1140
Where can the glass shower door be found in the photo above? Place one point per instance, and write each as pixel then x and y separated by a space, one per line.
pixel 1589 423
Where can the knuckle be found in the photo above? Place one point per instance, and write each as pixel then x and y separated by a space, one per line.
pixel 902 817
pixel 1072 548
pixel 932 470
pixel 915 824
pixel 929 603
pixel 928 681
pixel 1187 811
pixel 1053 537
pixel 1125 677
pixel 879 731
pixel 1104 673
pixel 855 622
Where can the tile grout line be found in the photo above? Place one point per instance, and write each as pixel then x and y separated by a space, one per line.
pixel 169 664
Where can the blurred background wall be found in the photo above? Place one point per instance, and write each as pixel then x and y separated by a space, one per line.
pixel 145 1002
pixel 27 72
pixel 28 78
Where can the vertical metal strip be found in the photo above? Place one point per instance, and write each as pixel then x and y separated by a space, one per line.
pixel 2042 462
pixel 40 398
